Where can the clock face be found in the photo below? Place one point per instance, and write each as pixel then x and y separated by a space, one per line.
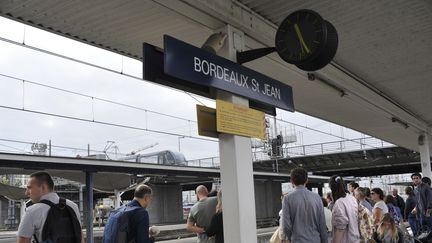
pixel 301 36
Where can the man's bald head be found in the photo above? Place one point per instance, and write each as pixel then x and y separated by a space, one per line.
pixel 201 191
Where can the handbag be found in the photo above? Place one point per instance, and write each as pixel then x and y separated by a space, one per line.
pixel 275 237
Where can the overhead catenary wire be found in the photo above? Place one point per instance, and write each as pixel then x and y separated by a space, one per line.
pixel 52 146
pixel 7 146
pixel 119 73
pixel 91 97
pixel 322 132
pixel 106 123
pixel 136 107
pixel 126 105
pixel 88 63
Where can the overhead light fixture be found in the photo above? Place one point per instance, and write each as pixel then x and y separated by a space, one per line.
pixel 402 123
pixel 313 77
pixel 421 139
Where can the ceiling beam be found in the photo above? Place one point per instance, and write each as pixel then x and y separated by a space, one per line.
pixel 364 93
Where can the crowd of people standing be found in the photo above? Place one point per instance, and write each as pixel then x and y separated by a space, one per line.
pixel 358 214
pixel 349 214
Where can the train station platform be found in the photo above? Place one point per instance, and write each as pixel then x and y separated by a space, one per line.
pixel 169 233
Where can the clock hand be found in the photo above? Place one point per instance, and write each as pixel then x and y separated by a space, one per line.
pixel 299 35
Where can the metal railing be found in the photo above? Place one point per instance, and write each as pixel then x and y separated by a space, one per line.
pixel 211 162
pixel 325 148
pixel 20 147
pixel 50 149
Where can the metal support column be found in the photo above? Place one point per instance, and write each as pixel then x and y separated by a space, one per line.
pixel 81 202
pixel 23 209
pixel 236 165
pixel 117 199
pixel 423 142
pixel 89 207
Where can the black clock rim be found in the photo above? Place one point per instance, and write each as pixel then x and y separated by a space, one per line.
pixel 327 54
pixel 317 51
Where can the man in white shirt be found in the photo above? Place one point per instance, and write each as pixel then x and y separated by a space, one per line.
pixel 40 187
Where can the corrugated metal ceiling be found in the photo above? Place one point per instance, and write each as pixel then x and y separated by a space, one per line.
pixel 121 26
pixel 386 43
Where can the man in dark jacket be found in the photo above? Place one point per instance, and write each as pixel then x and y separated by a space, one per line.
pixel 138 219
pixel 409 206
pixel 423 196
pixel 399 201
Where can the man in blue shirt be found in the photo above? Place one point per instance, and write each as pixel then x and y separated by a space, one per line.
pixel 302 219
pixel 139 222
pixel 135 216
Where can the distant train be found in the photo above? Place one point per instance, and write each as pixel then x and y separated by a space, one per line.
pixel 166 157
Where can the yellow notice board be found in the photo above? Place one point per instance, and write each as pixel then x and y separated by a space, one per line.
pixel 239 120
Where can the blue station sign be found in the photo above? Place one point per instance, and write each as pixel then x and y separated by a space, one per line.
pixel 192 64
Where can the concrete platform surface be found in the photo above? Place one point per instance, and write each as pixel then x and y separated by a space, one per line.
pixel 176 232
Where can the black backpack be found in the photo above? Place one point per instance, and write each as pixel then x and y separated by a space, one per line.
pixel 61 224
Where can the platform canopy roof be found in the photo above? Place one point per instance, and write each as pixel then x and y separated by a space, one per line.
pixel 360 163
pixel 12 192
pixel 382 65
pixel 111 175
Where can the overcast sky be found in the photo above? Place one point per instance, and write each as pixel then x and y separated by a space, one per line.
pixel 35 66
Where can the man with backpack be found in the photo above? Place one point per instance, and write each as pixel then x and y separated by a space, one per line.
pixel 130 223
pixel 50 218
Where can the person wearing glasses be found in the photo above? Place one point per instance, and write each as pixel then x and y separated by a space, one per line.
pixel 380 208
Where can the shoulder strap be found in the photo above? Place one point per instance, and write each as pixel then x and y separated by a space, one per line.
pixel 47 202
pixel 35 239
pixel 62 201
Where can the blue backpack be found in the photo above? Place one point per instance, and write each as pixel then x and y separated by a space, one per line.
pixel 395 212
pixel 117 228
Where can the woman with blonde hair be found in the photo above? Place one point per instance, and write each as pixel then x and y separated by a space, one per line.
pixel 216 225
pixel 387 231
